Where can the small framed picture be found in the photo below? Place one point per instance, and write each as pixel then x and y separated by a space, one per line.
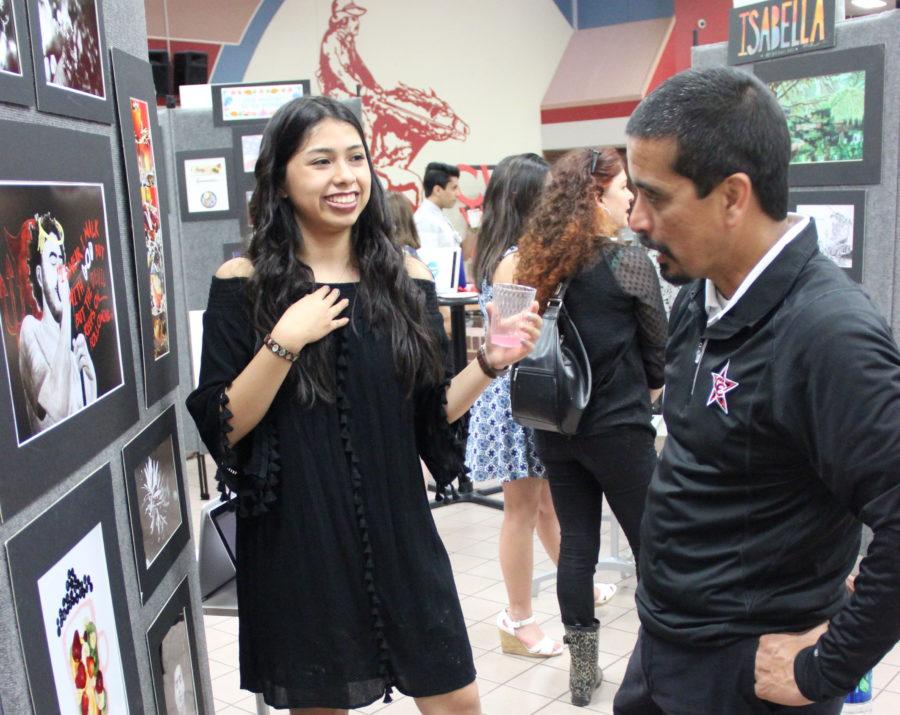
pixel 71 65
pixel 206 185
pixel 238 103
pixel 833 102
pixel 71 606
pixel 157 504
pixel 16 74
pixel 840 224
pixel 247 140
pixel 172 643
pixel 136 107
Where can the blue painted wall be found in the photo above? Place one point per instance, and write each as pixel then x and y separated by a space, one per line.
pixel 565 7
pixel 597 13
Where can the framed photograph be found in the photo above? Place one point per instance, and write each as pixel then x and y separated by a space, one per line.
pixel 174 664
pixel 247 138
pixel 16 74
pixel 136 106
pixel 157 503
pixel 69 387
pixel 236 103
pixel 71 605
pixel 206 184
pixel 833 102
pixel 71 68
pixel 840 224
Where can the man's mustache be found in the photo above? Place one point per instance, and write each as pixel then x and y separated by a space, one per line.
pixel 652 245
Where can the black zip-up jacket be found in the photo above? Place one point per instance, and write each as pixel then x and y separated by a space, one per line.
pixel 784 430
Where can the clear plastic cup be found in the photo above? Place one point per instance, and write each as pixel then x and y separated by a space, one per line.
pixel 510 302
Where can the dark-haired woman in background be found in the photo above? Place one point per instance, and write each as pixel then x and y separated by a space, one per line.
pixel 321 382
pixel 614 300
pixel 497 447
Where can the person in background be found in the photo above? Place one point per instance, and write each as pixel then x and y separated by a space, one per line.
pixel 614 301
pixel 441 183
pixel 782 406
pixel 322 383
pixel 400 218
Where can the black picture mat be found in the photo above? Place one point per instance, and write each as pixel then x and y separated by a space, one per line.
pixel 179 603
pixel 64 155
pixel 19 88
pixel 133 454
pixel 854 197
pixel 246 183
pixel 57 100
pixel 134 78
pixel 233 250
pixel 219 120
pixel 36 548
pixel 227 155
pixel 867 59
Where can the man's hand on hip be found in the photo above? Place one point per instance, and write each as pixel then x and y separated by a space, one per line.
pixel 775 665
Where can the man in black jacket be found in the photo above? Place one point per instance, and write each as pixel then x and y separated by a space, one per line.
pixel 783 409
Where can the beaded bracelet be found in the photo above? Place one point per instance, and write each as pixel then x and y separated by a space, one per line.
pixel 486 367
pixel 279 350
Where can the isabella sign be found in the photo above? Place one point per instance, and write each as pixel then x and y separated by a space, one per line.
pixel 775 29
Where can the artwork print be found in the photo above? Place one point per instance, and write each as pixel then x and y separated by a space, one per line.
pixel 153 234
pixel 158 495
pixel 825 116
pixel 834 224
pixel 10 52
pixel 80 629
pixel 241 103
pixel 206 181
pixel 250 144
pixel 71 46
pixel 57 302
pixel 178 669
pixel 171 641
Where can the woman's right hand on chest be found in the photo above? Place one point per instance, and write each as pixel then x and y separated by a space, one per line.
pixel 310 319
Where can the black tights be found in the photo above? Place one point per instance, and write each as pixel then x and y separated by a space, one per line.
pixel 618 464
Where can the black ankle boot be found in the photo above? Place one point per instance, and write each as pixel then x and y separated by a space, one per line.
pixel 585 675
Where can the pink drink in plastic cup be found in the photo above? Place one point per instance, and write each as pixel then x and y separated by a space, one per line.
pixel 511 301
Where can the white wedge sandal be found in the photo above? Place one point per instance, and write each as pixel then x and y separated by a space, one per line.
pixel 544 648
pixel 606 591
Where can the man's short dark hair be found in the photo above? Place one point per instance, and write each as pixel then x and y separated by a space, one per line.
pixel 438 174
pixel 724 121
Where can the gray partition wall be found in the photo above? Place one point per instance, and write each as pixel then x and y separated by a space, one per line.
pixel 881 255
pixel 125 29
pixel 201 242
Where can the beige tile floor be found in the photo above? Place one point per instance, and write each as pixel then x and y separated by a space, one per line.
pixel 509 685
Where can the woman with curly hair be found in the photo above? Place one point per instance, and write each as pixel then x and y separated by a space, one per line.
pixel 613 298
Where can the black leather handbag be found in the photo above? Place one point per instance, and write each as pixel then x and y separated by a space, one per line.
pixel 550 388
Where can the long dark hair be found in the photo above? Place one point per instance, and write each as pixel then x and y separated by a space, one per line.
pixel 566 229
pixel 400 218
pixel 387 296
pixel 512 192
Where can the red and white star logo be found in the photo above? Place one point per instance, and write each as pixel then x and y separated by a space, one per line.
pixel 721 386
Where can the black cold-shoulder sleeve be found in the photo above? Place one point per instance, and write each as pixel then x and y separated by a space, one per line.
pixel 250 468
pixel 441 445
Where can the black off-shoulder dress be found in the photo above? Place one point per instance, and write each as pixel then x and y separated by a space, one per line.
pixel 344 587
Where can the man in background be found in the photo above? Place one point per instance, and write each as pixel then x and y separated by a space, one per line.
pixel 441 182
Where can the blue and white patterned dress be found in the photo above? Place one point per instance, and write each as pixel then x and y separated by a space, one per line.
pixel 498 448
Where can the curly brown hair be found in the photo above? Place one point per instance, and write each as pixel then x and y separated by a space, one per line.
pixel 566 229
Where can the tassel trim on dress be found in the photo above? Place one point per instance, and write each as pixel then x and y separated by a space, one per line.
pixel 343 405
pixel 254 488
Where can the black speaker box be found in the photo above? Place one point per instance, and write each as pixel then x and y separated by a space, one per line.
pixel 190 68
pixel 162 72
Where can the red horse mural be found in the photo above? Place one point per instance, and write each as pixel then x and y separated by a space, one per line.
pixel 401 119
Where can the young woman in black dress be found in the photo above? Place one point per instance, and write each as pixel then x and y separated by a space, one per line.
pixel 321 384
